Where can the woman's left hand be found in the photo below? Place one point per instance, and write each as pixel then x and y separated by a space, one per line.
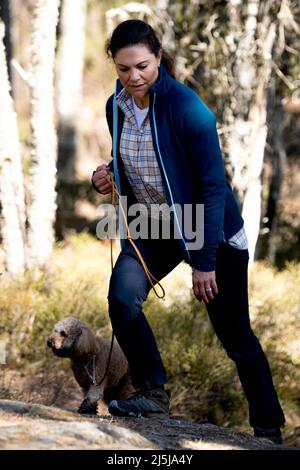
pixel 204 285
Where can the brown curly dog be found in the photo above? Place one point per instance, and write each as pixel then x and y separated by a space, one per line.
pixel 89 355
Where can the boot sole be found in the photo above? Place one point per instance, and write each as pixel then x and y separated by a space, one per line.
pixel 132 414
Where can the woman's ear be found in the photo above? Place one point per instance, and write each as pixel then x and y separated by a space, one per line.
pixel 159 57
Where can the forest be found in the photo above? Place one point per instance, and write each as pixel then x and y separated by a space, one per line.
pixel 242 58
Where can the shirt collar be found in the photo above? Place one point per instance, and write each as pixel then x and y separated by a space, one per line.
pixel 125 104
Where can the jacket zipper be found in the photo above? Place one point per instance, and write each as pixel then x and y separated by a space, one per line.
pixel 165 175
pixel 115 142
pixel 122 228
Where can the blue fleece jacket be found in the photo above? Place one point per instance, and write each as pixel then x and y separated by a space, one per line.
pixel 187 148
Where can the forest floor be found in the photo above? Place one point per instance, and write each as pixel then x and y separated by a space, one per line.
pixel 32 426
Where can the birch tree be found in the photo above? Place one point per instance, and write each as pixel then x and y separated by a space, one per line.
pixel 11 176
pixel 42 194
pixel 70 83
pixel 225 51
pixel 6 18
pixel 247 111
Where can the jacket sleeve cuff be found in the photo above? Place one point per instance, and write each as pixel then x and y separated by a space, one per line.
pixel 204 259
pixel 204 266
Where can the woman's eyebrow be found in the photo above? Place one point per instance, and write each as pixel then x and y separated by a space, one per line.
pixel 140 63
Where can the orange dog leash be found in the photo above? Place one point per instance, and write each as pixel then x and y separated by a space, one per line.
pixel 149 275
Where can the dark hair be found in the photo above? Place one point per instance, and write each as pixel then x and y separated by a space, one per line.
pixel 133 32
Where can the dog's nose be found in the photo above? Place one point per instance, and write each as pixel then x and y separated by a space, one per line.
pixel 49 343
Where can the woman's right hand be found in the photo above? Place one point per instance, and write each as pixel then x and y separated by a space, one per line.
pixel 102 179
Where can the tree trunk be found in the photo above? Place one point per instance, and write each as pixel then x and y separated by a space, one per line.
pixel 11 176
pixel 70 84
pixel 42 204
pixel 246 114
pixel 257 142
pixel 6 18
pixel 278 172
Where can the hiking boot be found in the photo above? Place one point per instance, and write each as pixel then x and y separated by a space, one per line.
pixel 273 434
pixel 144 402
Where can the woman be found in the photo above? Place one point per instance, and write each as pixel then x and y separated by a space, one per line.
pixel 167 152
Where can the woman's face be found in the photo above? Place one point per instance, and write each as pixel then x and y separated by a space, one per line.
pixel 137 69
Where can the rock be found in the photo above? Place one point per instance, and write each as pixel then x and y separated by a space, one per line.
pixel 32 426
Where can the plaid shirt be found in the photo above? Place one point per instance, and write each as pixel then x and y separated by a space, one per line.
pixel 239 240
pixel 141 166
pixel 140 163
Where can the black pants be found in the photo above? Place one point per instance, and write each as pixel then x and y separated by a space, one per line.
pixel 228 313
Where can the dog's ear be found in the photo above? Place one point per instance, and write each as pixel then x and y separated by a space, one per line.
pixel 85 343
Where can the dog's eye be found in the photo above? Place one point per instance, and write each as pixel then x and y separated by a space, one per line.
pixel 63 334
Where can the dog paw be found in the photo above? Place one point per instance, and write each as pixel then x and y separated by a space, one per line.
pixel 87 407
